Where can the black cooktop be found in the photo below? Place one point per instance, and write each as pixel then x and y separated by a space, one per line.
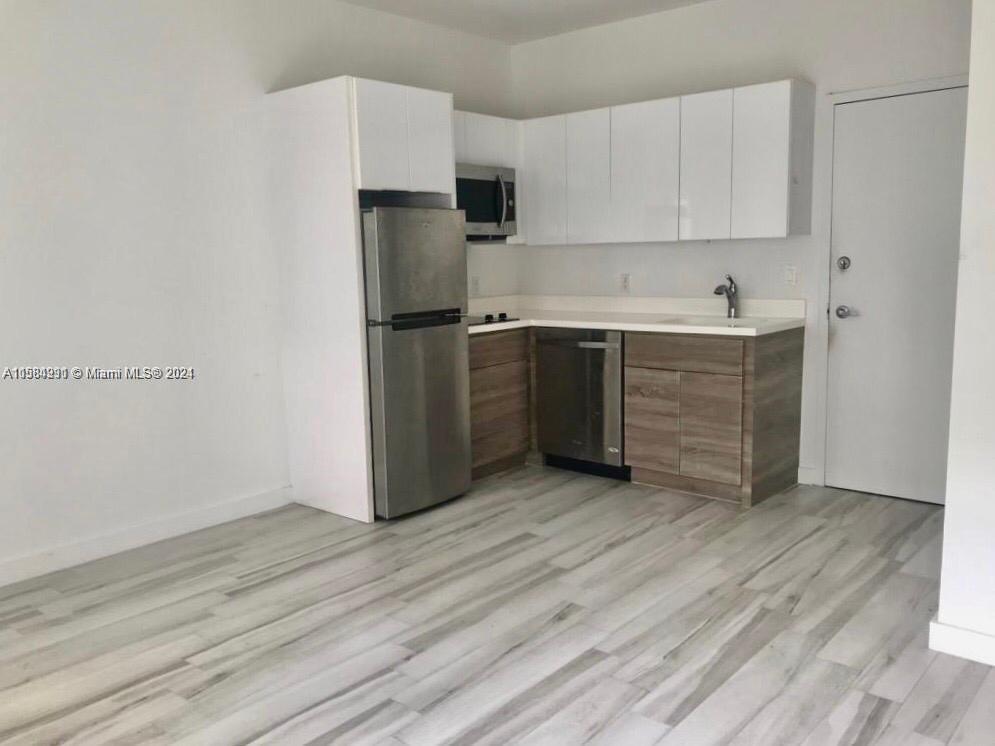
pixel 490 318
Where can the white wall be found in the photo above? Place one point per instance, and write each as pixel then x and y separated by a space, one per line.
pixel 493 269
pixel 133 212
pixel 966 619
pixel 836 44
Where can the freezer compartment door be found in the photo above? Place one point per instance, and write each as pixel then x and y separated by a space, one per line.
pixel 415 261
pixel 420 396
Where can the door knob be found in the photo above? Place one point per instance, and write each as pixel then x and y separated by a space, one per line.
pixel 843 312
pixel 843 263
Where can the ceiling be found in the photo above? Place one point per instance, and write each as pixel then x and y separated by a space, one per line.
pixel 520 20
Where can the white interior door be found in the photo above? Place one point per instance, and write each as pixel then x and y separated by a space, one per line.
pixel 897 182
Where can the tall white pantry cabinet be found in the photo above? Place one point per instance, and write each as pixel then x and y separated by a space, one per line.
pixel 327 141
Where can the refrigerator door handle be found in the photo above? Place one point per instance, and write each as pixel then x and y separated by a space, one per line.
pixel 407 322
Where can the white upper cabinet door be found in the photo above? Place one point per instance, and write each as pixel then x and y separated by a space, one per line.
pixel 645 170
pixel 404 138
pixel 459 136
pixel 382 135
pixel 706 165
pixel 545 167
pixel 432 163
pixel 490 141
pixel 761 148
pixel 589 176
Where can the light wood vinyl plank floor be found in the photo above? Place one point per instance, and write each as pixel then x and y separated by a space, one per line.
pixel 545 607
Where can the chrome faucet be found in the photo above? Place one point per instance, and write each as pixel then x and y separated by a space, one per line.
pixel 732 296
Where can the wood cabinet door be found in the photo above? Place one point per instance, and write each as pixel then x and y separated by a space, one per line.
pixel 711 422
pixel 706 165
pixel 499 411
pixel 545 171
pixel 652 427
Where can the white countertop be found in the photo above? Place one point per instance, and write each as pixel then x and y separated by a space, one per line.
pixel 669 323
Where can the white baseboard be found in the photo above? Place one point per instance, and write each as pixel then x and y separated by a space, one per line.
pixel 964 643
pixel 26 566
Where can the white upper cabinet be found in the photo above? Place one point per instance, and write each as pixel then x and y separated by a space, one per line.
pixel 706 165
pixel 489 141
pixel 404 137
pixel 761 132
pixel 459 136
pixel 734 163
pixel 772 159
pixel 545 172
pixel 589 176
pixel 645 170
pixel 431 161
pixel 382 134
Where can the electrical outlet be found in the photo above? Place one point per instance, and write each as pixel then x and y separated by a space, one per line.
pixel 625 282
pixel 475 286
pixel 790 274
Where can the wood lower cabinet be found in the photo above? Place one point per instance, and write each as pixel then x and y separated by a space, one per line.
pixel 713 415
pixel 499 400
pixel 717 416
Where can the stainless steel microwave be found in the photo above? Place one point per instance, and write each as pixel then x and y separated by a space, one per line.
pixel 487 195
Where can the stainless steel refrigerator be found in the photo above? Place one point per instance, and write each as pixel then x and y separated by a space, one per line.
pixel 416 299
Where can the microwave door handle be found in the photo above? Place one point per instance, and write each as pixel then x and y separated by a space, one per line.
pixel 504 201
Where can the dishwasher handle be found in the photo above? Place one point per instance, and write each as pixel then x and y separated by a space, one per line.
pixel 580 345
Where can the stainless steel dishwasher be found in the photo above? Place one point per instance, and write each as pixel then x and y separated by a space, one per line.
pixel 579 394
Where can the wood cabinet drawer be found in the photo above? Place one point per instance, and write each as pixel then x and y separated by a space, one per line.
pixel 684 353
pixel 499 411
pixel 652 424
pixel 497 348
